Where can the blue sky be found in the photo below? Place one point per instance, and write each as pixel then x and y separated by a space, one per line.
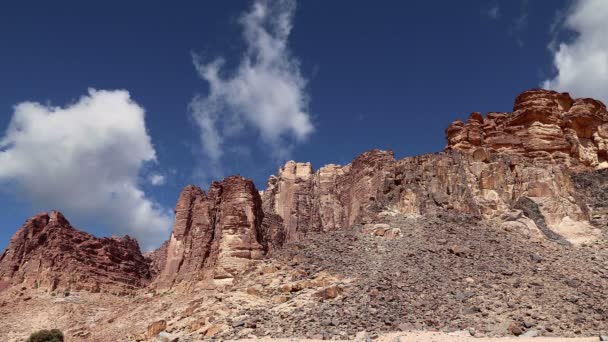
pixel 318 81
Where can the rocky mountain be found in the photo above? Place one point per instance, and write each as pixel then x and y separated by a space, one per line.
pixel 509 218
pixel 492 165
pixel 48 253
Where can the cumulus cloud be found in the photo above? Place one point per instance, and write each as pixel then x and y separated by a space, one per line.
pixel 265 94
pixel 582 64
pixel 85 160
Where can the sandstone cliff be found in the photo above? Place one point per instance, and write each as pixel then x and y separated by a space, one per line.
pixel 47 252
pixel 544 125
pixel 332 198
pixel 514 167
pixel 216 234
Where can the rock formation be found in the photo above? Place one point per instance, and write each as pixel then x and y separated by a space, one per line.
pixel 490 164
pixel 514 168
pixel 332 198
pixel 157 259
pixel 544 125
pixel 216 234
pixel 47 252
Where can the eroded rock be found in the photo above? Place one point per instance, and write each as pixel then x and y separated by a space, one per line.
pixel 48 253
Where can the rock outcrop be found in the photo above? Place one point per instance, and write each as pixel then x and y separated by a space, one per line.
pixel 47 252
pixel 490 165
pixel 544 125
pixel 489 188
pixel 332 198
pixel 217 234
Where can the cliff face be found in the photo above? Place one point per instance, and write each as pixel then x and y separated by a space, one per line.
pixel 544 125
pixel 215 234
pixel 332 198
pixel 47 252
pixel 490 167
pixel 492 188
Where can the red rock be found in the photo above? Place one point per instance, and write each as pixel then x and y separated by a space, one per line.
pixel 332 198
pixel 543 123
pixel 47 252
pixel 157 259
pixel 217 234
pixel 156 327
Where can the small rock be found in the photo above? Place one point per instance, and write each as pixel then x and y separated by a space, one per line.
pixel 464 295
pixel 213 330
pixel 329 292
pixel 604 337
pixel 528 324
pixel 164 336
pixel 532 333
pixel 362 336
pixel 514 329
pixel 254 291
pixel 238 324
pixel 280 299
pixel 458 250
pixel 245 332
pixel 156 327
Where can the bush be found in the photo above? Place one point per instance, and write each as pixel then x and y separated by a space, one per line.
pixel 54 335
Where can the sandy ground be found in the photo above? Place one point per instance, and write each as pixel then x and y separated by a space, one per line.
pixel 450 337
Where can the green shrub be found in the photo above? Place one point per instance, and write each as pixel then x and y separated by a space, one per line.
pixel 54 335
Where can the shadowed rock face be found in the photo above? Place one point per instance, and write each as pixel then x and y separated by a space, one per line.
pixel 49 253
pixel 216 235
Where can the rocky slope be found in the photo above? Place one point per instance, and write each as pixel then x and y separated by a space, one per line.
pixel 446 272
pixel 48 253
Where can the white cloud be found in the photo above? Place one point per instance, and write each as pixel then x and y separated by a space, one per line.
pixel 266 92
pixel 157 179
pixel 582 64
pixel 84 159
pixel 520 23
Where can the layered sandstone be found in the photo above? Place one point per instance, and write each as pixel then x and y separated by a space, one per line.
pixel 47 252
pixel 544 125
pixel 216 234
